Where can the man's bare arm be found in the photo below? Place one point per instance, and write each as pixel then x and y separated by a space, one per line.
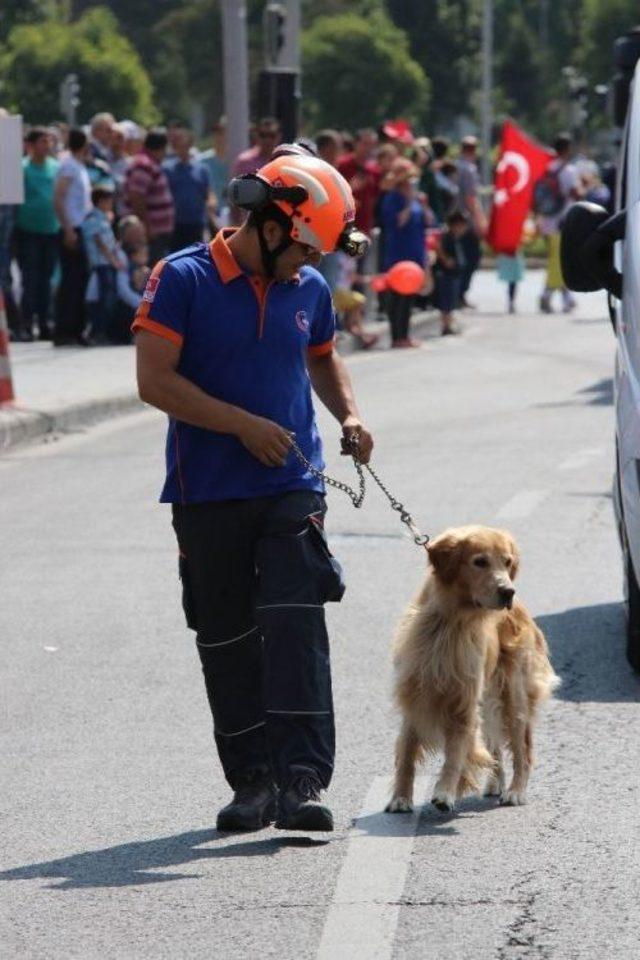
pixel 160 385
pixel 331 381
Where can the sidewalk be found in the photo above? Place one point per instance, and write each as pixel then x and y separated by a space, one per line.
pixel 63 389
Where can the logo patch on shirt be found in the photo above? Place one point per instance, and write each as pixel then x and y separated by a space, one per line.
pixel 302 322
pixel 150 289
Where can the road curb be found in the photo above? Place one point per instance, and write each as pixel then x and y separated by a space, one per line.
pixel 23 425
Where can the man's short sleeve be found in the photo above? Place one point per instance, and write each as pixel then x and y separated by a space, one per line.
pixel 165 303
pixel 323 325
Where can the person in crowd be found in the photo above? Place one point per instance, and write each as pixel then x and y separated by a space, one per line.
pixel 37 233
pixel 100 140
pixel 72 203
pixel 134 136
pixel 120 163
pixel 448 187
pixel 422 155
pixel 511 269
pixel 469 204
pixel 216 163
pixel 147 194
pixel 104 261
pixel 350 304
pixel 131 277
pixel 267 135
pixel 591 185
pixel 403 216
pixel 563 178
pixel 190 189
pixel 329 146
pixel 362 173
pixel 449 269
pixel 14 318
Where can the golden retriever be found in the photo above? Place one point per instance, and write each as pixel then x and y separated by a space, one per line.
pixel 471 666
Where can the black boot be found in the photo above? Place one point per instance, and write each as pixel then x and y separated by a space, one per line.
pixel 298 808
pixel 253 805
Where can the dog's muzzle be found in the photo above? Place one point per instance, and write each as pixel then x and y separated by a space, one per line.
pixel 505 596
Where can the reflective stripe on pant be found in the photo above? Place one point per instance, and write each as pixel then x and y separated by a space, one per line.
pixel 255 576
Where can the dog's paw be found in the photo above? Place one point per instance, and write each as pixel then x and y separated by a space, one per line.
pixel 513 798
pixel 399 805
pixel 445 802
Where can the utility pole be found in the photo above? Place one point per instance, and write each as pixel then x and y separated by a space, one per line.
pixel 236 75
pixel 487 91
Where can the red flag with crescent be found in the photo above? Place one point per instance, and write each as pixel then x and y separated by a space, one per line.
pixel 521 163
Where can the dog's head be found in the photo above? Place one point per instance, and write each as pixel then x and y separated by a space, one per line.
pixel 479 564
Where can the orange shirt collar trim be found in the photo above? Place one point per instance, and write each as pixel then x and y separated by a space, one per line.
pixel 228 266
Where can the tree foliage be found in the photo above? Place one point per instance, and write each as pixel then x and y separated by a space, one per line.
pixel 603 22
pixel 358 72
pixel 37 57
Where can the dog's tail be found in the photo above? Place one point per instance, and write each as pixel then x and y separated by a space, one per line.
pixel 477 762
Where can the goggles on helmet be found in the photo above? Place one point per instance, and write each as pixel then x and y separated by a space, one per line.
pixel 252 193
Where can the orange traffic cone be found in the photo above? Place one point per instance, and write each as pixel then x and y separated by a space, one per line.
pixel 6 385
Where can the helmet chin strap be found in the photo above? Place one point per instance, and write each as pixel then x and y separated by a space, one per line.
pixel 270 257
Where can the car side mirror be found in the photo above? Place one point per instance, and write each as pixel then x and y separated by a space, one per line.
pixel 588 236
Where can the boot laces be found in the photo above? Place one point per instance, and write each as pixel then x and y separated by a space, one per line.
pixel 308 787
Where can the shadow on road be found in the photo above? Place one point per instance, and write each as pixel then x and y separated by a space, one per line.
pixel 588 652
pixel 131 863
pixel 599 394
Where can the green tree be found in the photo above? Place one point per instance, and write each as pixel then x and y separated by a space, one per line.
pixel 15 12
pixel 37 57
pixel 603 22
pixel 358 72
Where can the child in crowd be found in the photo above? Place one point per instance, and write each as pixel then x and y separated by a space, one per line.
pixel 450 261
pixel 104 261
pixel 350 304
pixel 139 269
pixel 511 271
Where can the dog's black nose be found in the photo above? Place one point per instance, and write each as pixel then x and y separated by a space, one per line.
pixel 506 595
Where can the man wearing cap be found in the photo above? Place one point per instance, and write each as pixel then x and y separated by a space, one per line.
pixel 230 338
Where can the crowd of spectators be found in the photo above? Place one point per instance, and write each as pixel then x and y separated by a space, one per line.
pixel 104 204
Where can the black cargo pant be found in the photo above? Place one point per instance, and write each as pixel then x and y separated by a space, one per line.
pixel 255 575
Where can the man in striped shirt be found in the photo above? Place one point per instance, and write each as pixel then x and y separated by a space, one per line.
pixel 147 194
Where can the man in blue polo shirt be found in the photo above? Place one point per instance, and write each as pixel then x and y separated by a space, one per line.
pixel 190 188
pixel 230 339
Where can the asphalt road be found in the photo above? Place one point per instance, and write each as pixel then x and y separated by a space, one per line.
pixel 109 782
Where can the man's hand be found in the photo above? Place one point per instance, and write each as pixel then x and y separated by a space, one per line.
pixel 353 429
pixel 70 238
pixel 266 440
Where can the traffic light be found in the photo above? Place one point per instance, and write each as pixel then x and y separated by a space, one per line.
pixel 275 33
pixel 70 97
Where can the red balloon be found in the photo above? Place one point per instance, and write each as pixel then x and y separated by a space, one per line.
pixel 406 277
pixel 378 283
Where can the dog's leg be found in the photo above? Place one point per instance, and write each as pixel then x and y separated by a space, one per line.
pixel 494 736
pixel 408 752
pixel 458 744
pixel 520 740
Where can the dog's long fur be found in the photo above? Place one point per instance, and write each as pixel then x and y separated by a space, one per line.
pixel 471 668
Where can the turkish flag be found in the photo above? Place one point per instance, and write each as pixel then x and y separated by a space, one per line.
pixel 522 162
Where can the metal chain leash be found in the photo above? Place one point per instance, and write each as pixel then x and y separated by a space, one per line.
pixel 351 447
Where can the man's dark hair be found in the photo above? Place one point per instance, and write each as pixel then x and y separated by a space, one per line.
pixel 268 122
pixel 440 147
pixel 35 133
pixel 326 138
pixel 156 139
pixel 77 139
pixel 457 217
pixel 101 192
pixel 562 142
pixel 449 167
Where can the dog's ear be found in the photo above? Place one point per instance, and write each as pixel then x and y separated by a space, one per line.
pixel 445 555
pixel 515 563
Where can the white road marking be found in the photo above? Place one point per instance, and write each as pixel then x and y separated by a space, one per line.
pixel 581 458
pixel 51 649
pixel 521 505
pixel 363 916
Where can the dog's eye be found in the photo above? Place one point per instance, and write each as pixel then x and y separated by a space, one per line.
pixel 507 561
pixel 480 562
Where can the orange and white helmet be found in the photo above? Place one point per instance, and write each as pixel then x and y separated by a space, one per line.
pixel 329 207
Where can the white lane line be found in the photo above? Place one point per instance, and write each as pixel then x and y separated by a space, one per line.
pixel 581 458
pixel 521 505
pixel 363 916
